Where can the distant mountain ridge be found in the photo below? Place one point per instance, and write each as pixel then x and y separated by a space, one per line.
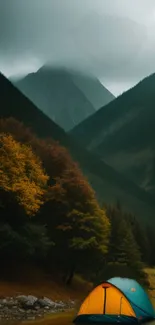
pixel 66 96
pixel 108 184
pixel 92 88
pixel 123 133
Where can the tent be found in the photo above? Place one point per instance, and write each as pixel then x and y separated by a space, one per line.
pixel 116 300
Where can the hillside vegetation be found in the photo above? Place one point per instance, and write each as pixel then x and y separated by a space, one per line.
pixel 108 184
pixel 122 133
pixel 50 217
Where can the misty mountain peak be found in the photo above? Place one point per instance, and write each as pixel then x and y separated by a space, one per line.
pixel 64 94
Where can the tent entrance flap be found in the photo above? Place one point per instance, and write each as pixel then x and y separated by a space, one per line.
pixel 116 303
pixel 118 300
pixel 106 300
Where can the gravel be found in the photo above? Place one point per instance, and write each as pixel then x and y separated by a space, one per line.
pixel 29 307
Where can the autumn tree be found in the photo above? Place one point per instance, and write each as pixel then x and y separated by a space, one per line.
pixel 23 184
pixel 75 222
pixel 21 174
pixel 55 158
pixel 81 227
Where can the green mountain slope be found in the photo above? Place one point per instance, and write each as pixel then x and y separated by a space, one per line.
pixel 66 96
pixel 108 184
pixel 123 133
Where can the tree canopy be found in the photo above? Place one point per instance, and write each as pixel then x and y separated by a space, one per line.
pixel 21 174
pixel 70 230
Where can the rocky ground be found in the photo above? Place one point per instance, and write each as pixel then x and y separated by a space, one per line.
pixel 30 307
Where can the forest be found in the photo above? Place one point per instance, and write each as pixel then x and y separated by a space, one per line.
pixel 50 216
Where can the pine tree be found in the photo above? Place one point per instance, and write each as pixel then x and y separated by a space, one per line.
pixel 150 231
pixel 141 238
pixel 123 248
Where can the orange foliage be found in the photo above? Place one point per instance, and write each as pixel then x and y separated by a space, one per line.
pixel 21 173
pixel 55 158
pixel 69 195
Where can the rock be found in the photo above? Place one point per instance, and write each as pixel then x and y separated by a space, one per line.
pixel 27 301
pixel 46 302
pixel 30 307
pixel 59 304
pixel 31 318
pixel 21 310
pixel 3 301
pixel 72 302
pixel 11 303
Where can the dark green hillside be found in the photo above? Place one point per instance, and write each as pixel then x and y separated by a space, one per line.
pixel 66 96
pixel 123 133
pixel 108 184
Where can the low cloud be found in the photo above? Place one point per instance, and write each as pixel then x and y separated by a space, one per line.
pixel 112 39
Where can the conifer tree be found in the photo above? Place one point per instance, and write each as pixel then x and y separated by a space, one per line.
pixel 123 248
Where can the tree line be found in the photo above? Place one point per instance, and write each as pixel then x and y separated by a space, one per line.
pixel 49 214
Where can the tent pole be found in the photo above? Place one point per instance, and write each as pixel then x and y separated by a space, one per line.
pixel 105 296
pixel 121 305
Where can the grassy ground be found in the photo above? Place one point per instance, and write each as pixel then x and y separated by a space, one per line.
pixel 47 287
pixel 67 318
pixel 151 278
pixel 53 290
pixel 43 286
pixel 59 319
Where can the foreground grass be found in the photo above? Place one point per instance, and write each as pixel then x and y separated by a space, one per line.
pixel 151 278
pixel 57 319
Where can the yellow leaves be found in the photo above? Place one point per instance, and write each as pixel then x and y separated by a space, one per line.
pixel 21 173
pixel 71 208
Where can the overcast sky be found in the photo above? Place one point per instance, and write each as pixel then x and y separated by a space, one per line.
pixel 113 39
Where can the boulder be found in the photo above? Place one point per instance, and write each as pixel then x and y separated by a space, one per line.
pixel 27 301
pixel 46 302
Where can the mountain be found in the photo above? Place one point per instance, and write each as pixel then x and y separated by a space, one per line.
pixel 14 103
pixel 95 92
pixel 66 96
pixel 16 78
pixel 108 184
pixel 123 133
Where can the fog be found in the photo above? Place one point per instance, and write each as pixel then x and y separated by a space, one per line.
pixel 113 39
